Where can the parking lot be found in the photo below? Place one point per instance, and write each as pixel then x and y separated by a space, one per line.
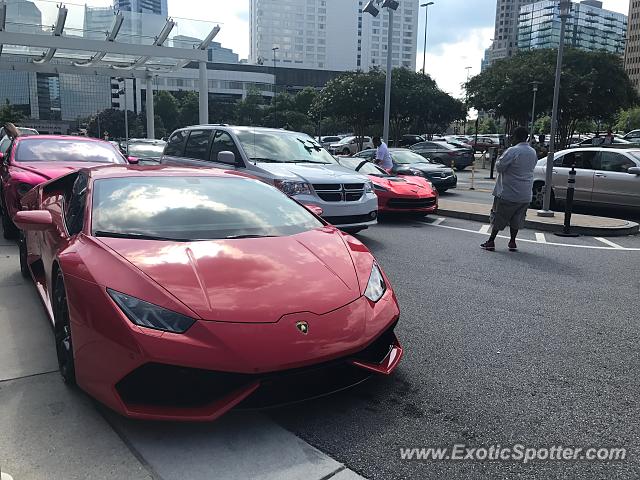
pixel 536 347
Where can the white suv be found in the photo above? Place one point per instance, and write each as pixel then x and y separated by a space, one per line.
pixel 349 146
pixel 293 162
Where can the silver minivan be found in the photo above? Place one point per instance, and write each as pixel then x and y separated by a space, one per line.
pixel 291 161
pixel 604 176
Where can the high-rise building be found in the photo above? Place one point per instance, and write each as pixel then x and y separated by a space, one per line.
pixel 505 37
pixel 157 7
pixel 331 34
pixel 589 27
pixel 632 52
pixel 216 53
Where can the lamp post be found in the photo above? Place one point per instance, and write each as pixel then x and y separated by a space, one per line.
pixel 275 89
pixel 533 109
pixel 123 91
pixel 426 23
pixel 466 101
pixel 565 9
pixel 391 6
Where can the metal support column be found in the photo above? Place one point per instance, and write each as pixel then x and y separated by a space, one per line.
pixel 204 94
pixel 151 131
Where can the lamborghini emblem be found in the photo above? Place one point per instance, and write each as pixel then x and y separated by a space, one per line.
pixel 303 327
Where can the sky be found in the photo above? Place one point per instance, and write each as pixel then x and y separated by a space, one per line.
pixel 458 32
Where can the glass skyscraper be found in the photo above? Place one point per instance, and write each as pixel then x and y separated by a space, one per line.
pixel 589 27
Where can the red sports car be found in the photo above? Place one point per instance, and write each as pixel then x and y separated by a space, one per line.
pixel 179 293
pixel 32 160
pixel 406 194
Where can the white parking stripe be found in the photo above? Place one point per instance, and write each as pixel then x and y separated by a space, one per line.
pixel 485 229
pixel 610 243
pixel 588 247
pixel 540 238
pixel 438 221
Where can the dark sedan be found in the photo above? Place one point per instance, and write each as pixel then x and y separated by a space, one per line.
pixel 406 162
pixel 445 153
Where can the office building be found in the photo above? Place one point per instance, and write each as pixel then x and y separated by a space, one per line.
pixel 632 52
pixel 216 52
pixel 589 27
pixel 505 37
pixel 155 7
pixel 330 34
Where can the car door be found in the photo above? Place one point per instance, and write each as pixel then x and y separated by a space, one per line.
pixel 222 142
pixel 584 161
pixel 612 183
pixel 196 148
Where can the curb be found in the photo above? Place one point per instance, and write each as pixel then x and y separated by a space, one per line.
pixel 631 228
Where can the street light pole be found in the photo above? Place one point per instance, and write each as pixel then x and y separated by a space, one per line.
pixel 426 23
pixel 275 88
pixel 466 102
pixel 565 9
pixel 387 86
pixel 533 109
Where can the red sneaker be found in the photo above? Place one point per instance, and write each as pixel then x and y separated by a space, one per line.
pixel 489 246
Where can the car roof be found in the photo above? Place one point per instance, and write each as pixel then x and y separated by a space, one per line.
pixel 29 138
pixel 242 128
pixel 602 149
pixel 120 170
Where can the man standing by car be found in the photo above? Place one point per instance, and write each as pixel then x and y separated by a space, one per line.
pixel 383 157
pixel 513 190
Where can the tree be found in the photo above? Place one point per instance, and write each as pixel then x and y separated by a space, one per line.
pixel 166 107
pixel 628 120
pixel 249 109
pixel 10 114
pixel 594 86
pixel 111 122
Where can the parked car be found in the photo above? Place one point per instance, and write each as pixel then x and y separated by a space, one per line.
pixel 408 194
pixel 593 142
pixel 445 153
pixel 5 140
pixel 327 141
pixel 408 140
pixel 293 162
pixel 146 151
pixel 632 136
pixel 32 160
pixel 407 162
pixel 484 143
pixel 349 146
pixel 604 176
pixel 202 288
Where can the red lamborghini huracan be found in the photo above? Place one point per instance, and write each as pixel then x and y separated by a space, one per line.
pixel 178 294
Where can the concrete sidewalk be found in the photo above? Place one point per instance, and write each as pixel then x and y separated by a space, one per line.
pixel 582 224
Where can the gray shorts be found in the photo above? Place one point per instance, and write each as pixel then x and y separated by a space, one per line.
pixel 505 213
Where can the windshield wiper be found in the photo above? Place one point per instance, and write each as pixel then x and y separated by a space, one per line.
pixel 311 161
pixel 138 236
pixel 236 237
pixel 265 160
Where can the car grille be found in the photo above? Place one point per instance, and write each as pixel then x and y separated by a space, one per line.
pixel 339 192
pixel 351 219
pixel 410 203
pixel 438 175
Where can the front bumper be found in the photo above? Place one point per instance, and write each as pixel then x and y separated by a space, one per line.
pixel 357 214
pixel 448 182
pixel 400 204
pixel 214 366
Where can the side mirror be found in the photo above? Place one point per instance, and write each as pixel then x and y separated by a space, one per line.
pixel 634 171
pixel 314 209
pixel 133 160
pixel 1 157
pixel 228 158
pixel 33 220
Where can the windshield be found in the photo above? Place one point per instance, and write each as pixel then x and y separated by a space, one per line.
pixel 282 147
pixel 406 157
pixel 37 149
pixel 366 168
pixel 143 150
pixel 195 208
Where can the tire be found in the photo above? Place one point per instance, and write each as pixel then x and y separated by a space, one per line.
pixel 24 266
pixel 537 197
pixel 62 330
pixel 9 230
pixel 346 152
pixel 353 230
pixel 461 168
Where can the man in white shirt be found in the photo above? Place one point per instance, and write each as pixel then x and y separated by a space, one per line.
pixel 383 157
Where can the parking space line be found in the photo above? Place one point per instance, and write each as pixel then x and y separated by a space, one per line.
pixel 540 238
pixel 484 229
pixel 610 243
pixel 438 221
pixel 588 247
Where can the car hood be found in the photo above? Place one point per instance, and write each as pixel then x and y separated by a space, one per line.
pixel 402 185
pixel 250 280
pixel 425 167
pixel 312 173
pixel 51 170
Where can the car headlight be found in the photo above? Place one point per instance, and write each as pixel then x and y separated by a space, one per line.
pixel 23 188
pixel 380 188
pixel 292 188
pixel 148 315
pixel 417 173
pixel 376 286
pixel 369 186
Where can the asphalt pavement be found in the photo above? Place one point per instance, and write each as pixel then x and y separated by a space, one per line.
pixel 537 347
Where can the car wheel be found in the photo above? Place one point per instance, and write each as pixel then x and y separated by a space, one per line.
pixel 461 168
pixel 537 200
pixel 346 152
pixel 24 267
pixel 62 330
pixel 9 230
